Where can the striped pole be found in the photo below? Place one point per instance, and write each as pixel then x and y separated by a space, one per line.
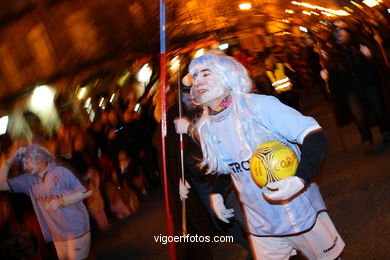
pixel 163 72
pixel 183 202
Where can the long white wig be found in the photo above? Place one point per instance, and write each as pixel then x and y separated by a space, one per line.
pixel 39 153
pixel 235 78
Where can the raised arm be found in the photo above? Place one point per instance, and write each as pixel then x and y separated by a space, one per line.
pixel 6 167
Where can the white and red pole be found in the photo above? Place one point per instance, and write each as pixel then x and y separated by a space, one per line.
pixel 163 82
pixel 183 202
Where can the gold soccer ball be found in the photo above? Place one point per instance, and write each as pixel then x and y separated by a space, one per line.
pixel 272 161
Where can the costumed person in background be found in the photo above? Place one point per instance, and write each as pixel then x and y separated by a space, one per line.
pixel 57 197
pixel 198 218
pixel 354 86
pixel 284 216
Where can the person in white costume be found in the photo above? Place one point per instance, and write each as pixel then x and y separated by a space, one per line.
pixel 284 216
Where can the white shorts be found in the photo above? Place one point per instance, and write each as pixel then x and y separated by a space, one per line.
pixel 74 249
pixel 322 242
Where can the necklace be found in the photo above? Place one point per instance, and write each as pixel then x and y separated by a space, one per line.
pixel 222 106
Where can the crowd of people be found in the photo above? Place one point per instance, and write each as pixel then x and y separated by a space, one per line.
pixel 346 61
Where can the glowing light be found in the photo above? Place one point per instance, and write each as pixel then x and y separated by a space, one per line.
pixel 282 33
pixel 314 13
pixel 88 105
pixel 245 6
pixel 316 7
pixel 112 97
pixel 289 11
pixel 285 21
pixel 356 4
pixel 92 115
pixel 3 125
pixel 144 74
pixel 175 63
pixel 223 46
pixel 137 107
pixel 326 23
pixel 341 13
pixel 41 103
pixel 306 12
pixel 82 92
pixel 371 3
pixel 123 79
pixel 303 29
pixel 42 98
pixel 199 53
pixel 328 14
pixel 87 102
pixel 101 101
pixel 348 9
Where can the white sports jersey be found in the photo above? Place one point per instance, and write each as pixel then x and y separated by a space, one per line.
pixel 270 120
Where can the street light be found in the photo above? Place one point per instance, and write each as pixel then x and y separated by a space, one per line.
pixel 3 125
pixel 371 3
pixel 199 53
pixel 42 98
pixel 245 6
pixel 223 46
pixel 144 74
pixel 175 63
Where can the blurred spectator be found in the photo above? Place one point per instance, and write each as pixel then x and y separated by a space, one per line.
pixel 261 83
pixel 95 202
pixel 130 173
pixel 243 56
pixel 115 194
pixel 98 135
pixel 148 155
pixel 5 207
pixel 276 72
pixel 65 136
pixel 84 162
pixel 313 62
pixel 353 81
pixel 113 130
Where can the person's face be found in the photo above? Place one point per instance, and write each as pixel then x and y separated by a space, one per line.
pixel 207 87
pixel 31 165
pixel 186 98
pixel 342 36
